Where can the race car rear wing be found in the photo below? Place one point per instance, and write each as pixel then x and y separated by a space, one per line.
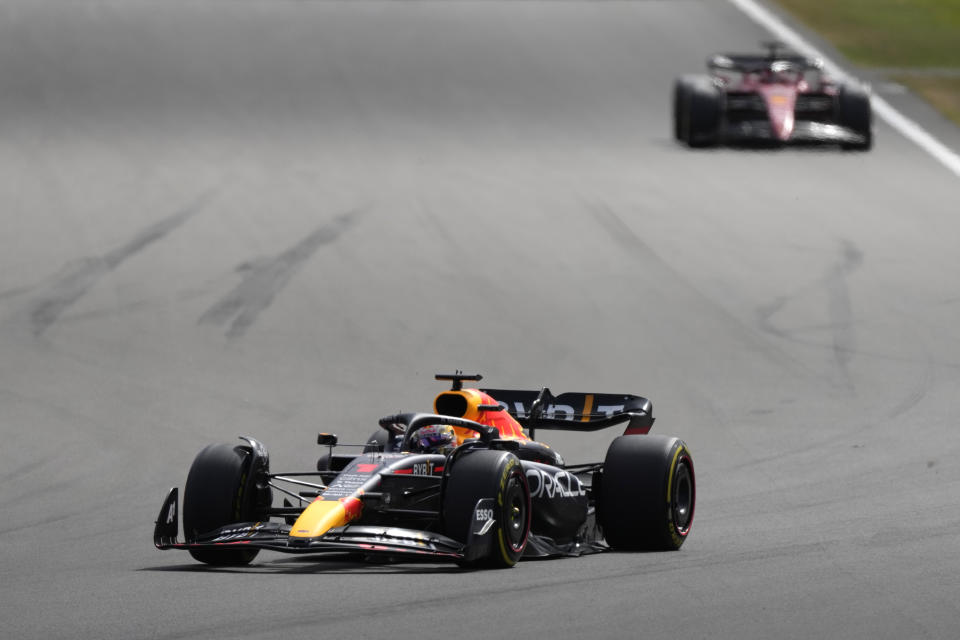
pixel 575 411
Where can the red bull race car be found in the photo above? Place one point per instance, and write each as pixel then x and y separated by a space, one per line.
pixel 773 98
pixel 467 483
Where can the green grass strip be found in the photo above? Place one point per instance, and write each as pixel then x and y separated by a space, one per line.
pixel 942 93
pixel 887 33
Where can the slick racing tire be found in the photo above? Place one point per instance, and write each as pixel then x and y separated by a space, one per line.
pixel 216 495
pixel 483 474
pixel 647 493
pixel 681 100
pixel 697 105
pixel 854 112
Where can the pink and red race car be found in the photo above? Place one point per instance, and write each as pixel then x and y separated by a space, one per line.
pixel 772 98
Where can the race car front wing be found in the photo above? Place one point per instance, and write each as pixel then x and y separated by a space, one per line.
pixel 804 131
pixel 365 539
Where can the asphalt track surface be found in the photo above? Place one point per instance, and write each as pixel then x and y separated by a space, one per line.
pixel 269 217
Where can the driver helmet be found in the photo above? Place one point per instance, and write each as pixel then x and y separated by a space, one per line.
pixel 435 438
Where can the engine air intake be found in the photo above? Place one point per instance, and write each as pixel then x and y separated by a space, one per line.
pixel 451 404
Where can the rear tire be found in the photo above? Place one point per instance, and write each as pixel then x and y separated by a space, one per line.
pixel 216 495
pixel 647 494
pixel 854 112
pixel 489 474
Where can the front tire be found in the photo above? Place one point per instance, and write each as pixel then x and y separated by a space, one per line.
pixel 681 101
pixel 855 113
pixel 217 494
pixel 489 474
pixel 696 111
pixel 647 494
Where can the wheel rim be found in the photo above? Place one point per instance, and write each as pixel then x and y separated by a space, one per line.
pixel 515 514
pixel 683 496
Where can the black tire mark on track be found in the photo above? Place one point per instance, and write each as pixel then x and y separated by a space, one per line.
pixel 671 282
pixel 843 338
pixel 264 278
pixel 79 276
pixel 839 307
pixel 925 382
pixel 618 230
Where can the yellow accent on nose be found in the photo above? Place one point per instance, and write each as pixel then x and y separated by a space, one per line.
pixel 318 518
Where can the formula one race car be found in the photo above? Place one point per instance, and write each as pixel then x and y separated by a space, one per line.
pixel 464 484
pixel 775 98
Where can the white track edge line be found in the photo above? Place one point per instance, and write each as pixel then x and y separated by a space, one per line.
pixel 907 127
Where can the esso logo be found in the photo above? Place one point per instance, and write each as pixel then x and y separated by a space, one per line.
pixel 484 514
